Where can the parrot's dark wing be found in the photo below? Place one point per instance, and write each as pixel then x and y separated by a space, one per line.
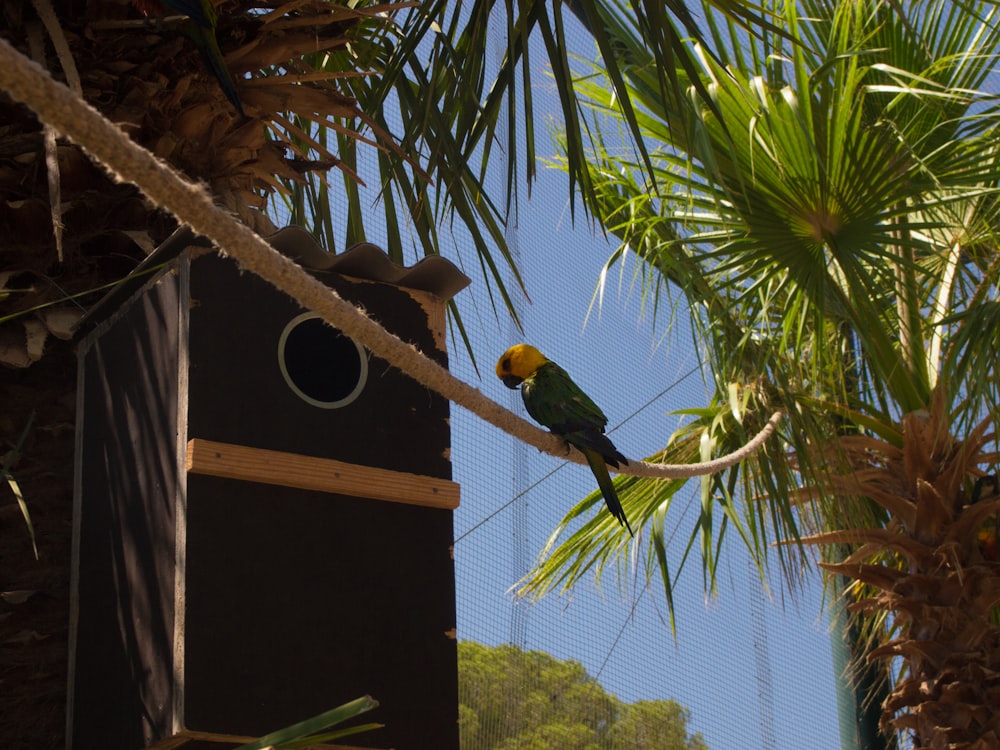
pixel 592 440
pixel 554 400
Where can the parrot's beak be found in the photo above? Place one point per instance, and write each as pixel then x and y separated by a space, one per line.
pixel 511 381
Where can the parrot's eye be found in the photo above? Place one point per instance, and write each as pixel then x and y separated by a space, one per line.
pixel 505 365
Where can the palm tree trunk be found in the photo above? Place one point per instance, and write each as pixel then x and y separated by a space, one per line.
pixel 34 611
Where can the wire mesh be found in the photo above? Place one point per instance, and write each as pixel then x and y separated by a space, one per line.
pixel 748 668
pixel 742 663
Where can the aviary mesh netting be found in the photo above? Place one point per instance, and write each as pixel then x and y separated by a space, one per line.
pixel 751 667
pixel 744 662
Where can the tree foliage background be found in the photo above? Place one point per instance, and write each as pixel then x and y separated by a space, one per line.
pixel 512 699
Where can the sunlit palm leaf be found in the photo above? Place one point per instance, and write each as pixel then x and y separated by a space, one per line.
pixel 810 216
pixel 453 116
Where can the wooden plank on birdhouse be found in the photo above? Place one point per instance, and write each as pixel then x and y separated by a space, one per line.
pixel 243 462
pixel 190 740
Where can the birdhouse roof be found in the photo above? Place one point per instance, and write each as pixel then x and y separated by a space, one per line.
pixel 432 274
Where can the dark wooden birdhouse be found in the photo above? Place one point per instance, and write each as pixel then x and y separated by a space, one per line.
pixel 263 525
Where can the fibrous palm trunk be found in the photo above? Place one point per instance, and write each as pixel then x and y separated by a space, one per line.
pixel 147 76
pixel 931 573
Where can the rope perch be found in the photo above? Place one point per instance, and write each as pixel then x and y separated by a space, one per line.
pixel 60 108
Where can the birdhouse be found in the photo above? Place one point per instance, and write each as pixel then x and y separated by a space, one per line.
pixel 263 508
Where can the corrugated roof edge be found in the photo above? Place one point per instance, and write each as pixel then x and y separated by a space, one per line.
pixel 433 274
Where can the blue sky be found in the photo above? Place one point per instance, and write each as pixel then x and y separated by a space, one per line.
pixel 743 663
pixel 755 669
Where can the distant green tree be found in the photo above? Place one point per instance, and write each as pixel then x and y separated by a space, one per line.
pixel 510 699
pixel 659 724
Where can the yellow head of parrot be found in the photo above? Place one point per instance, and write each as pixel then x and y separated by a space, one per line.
pixel 519 362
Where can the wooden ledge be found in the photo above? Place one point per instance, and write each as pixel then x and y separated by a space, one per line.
pixel 322 474
pixel 187 738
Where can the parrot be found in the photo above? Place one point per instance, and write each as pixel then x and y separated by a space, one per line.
pixel 987 488
pixel 202 32
pixel 555 401
pixel 986 538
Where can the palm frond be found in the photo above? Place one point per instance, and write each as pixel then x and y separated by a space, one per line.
pixel 826 209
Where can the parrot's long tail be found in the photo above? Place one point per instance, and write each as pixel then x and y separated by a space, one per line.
pixel 603 477
pixel 209 46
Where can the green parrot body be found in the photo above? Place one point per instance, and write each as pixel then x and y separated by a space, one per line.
pixel 555 401
pixel 202 33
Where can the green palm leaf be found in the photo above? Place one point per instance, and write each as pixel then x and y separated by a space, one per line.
pixel 828 206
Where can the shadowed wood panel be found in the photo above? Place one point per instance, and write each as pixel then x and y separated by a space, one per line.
pixel 298 601
pixel 122 622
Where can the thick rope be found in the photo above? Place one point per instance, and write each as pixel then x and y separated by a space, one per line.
pixel 191 203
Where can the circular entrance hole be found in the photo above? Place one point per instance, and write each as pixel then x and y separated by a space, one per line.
pixel 322 365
